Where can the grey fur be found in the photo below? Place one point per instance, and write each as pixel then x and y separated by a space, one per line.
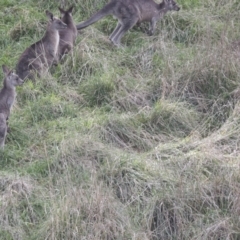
pixel 40 56
pixel 7 98
pixel 68 35
pixel 131 12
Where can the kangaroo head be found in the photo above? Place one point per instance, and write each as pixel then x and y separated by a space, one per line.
pixel 66 16
pixel 171 5
pixel 55 23
pixel 11 78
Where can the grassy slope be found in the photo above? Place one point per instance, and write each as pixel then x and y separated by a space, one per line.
pixel 134 143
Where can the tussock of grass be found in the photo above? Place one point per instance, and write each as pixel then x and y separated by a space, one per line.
pixel 18 209
pixel 176 119
pixel 98 214
pixel 22 27
pixel 127 132
pixel 142 131
pixel 140 142
pixel 200 204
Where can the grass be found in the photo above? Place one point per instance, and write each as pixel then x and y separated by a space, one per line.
pixel 140 142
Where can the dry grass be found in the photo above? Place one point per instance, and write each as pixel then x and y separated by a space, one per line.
pixel 134 143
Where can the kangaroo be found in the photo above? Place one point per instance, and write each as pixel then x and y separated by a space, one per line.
pixel 7 98
pixel 131 12
pixel 68 35
pixel 39 57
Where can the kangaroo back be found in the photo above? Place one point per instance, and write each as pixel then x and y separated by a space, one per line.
pixel 106 10
pixel 31 62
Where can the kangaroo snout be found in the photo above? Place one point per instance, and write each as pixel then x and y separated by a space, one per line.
pixel 63 25
pixel 59 24
pixel 177 8
pixel 21 81
pixel 16 80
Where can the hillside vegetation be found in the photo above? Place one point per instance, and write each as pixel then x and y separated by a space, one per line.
pixel 140 142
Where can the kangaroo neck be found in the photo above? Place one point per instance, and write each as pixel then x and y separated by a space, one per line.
pixel 8 87
pixel 50 35
pixel 68 20
pixel 162 9
pixel 69 23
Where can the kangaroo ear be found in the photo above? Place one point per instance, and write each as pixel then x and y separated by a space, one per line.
pixel 70 9
pixel 5 70
pixel 49 15
pixel 61 10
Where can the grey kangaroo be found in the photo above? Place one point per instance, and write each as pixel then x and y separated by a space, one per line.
pixel 7 98
pixel 67 35
pixel 39 57
pixel 131 12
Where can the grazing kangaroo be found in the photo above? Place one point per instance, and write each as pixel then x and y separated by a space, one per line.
pixel 67 35
pixel 39 57
pixel 131 12
pixel 7 98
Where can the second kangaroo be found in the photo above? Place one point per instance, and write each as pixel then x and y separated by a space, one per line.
pixel 67 35
pixel 39 57
pixel 7 98
pixel 131 12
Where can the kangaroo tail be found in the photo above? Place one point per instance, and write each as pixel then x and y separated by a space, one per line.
pixel 106 10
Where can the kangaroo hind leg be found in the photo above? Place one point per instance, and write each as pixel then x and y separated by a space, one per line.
pixel 125 26
pixel 115 31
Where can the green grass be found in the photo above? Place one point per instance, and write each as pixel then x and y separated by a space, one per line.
pixel 140 142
